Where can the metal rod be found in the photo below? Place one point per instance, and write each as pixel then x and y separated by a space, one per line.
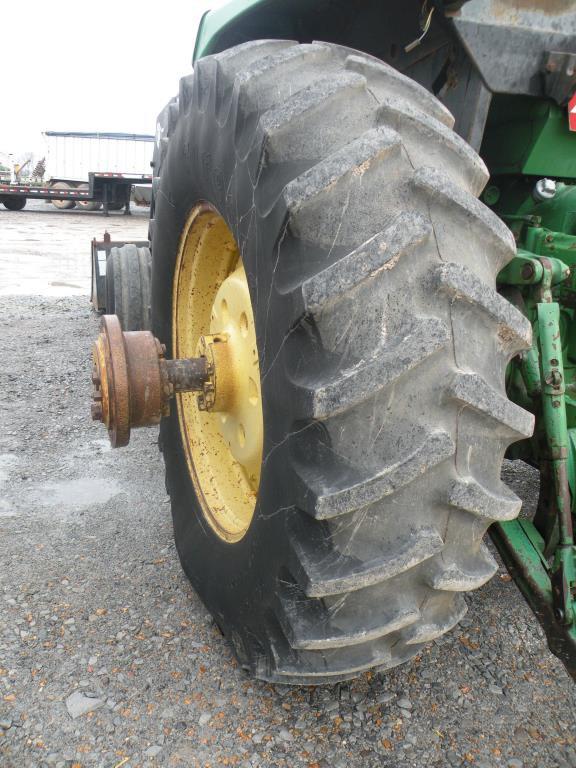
pixel 187 375
pixel 554 409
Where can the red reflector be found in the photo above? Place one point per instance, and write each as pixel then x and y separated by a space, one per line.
pixel 572 113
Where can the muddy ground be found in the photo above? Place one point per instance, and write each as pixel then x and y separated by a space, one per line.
pixel 108 658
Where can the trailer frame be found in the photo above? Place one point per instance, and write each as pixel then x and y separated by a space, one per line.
pixel 103 187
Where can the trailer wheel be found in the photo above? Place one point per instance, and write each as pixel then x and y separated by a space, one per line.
pixel 88 205
pixel 115 206
pixel 63 205
pixel 128 286
pixel 315 211
pixel 14 203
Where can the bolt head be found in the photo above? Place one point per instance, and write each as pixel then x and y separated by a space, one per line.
pixel 491 195
pixel 545 189
pixel 96 411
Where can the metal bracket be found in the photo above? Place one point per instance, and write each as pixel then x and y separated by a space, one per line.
pixel 540 554
pixel 522 549
pixel 560 76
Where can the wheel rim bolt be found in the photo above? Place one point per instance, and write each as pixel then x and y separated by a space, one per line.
pixel 96 411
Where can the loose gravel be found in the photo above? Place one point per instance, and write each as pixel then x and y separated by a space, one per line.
pixel 108 658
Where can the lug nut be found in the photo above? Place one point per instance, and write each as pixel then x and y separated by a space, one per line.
pixel 96 411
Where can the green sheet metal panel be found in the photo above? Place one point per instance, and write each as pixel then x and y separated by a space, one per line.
pixel 529 136
pixel 215 24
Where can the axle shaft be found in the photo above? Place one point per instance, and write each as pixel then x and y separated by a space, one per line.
pixel 187 375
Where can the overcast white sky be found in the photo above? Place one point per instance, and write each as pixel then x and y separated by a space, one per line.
pixel 97 65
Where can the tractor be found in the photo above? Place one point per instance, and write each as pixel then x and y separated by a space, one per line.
pixel 361 298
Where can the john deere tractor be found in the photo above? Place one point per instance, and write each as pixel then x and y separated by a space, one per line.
pixel 363 295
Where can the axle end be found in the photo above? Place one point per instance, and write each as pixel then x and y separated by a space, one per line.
pixel 133 383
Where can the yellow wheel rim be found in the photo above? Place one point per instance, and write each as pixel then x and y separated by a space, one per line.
pixel 212 315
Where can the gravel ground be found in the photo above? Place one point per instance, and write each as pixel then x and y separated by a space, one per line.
pixel 108 658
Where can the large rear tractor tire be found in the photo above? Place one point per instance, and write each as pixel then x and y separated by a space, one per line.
pixel 14 203
pixel 330 512
pixel 128 286
pixel 63 205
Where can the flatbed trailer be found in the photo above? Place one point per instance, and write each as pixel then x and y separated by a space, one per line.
pixel 106 188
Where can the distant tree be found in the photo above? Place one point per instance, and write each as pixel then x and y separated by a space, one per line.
pixel 39 170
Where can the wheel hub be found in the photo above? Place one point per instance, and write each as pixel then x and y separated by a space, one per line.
pixel 133 383
pixel 214 378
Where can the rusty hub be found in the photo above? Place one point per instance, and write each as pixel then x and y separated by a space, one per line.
pixel 133 382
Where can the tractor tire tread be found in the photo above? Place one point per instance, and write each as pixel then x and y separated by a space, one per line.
pixel 381 235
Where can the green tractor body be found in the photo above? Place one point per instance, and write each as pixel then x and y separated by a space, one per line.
pixel 507 73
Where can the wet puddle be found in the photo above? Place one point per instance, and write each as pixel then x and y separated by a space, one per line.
pixel 44 252
pixel 7 462
pixel 59 284
pixel 79 493
pixel 6 509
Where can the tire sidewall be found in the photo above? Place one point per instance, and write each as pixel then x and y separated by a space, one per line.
pixel 237 582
